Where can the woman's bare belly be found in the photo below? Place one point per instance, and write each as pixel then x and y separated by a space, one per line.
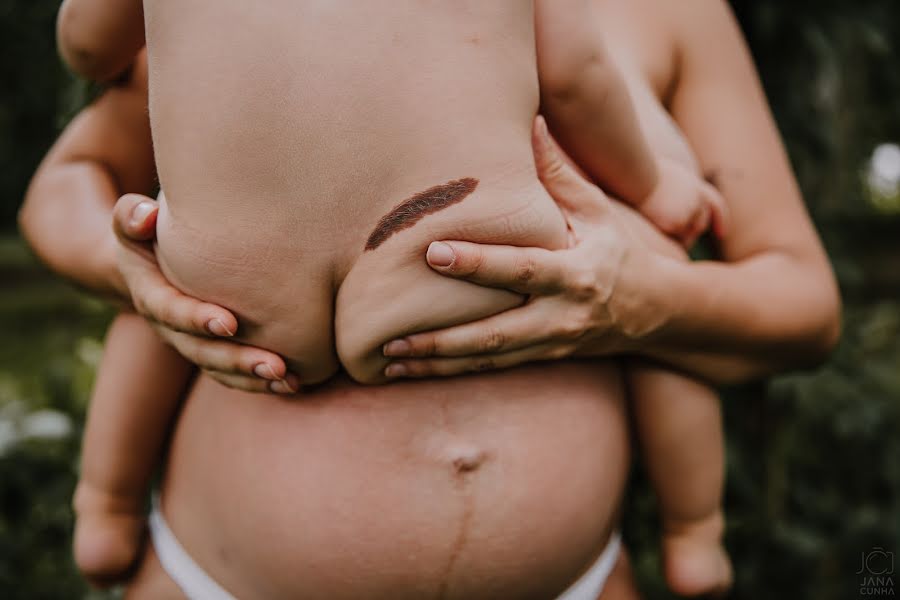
pixel 501 485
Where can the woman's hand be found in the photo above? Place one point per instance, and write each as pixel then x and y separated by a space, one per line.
pixel 593 298
pixel 200 331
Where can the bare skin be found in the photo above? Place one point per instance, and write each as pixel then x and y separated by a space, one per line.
pixel 150 581
pixel 772 263
pixel 99 39
pixel 438 450
pixel 513 224
pixel 383 286
pixel 103 153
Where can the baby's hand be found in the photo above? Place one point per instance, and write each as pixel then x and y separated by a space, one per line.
pixel 683 206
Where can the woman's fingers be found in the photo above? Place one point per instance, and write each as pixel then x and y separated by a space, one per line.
pixel 184 321
pixel 504 332
pixel 155 298
pixel 240 382
pixel 443 367
pixel 571 191
pixel 251 384
pixel 134 218
pixel 719 211
pixel 234 360
pixel 699 223
pixel 525 270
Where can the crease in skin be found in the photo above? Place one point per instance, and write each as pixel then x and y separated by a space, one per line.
pixel 414 209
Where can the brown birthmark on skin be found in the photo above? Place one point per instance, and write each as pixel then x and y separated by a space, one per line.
pixel 411 211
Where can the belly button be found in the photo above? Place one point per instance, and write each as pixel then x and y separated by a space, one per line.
pixel 467 464
pixel 466 458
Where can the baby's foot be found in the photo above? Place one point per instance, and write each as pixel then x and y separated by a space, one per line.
pixel 695 559
pixel 109 532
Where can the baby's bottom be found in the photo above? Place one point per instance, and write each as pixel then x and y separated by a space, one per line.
pixel 680 432
pixel 139 384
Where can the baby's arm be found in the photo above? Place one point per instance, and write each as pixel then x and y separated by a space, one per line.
pixel 586 102
pixel 99 39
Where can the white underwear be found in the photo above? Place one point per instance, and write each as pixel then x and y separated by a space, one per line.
pixel 197 585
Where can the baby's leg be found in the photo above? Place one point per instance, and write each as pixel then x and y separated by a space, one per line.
pixel 586 102
pixel 99 39
pixel 680 431
pixel 136 395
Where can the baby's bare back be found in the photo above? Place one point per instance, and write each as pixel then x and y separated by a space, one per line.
pixel 286 131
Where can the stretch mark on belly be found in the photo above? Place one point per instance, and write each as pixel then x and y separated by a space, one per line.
pixel 414 209
pixel 462 534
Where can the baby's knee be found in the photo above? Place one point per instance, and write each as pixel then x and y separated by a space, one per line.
pixel 90 46
pixel 570 61
pixel 566 77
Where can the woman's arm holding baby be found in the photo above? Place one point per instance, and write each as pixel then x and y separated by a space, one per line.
pixel 774 292
pixel 773 302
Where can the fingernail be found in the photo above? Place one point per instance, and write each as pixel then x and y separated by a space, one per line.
pixel 440 254
pixel 397 348
pixel 217 327
pixel 396 370
pixel 140 212
pixel 266 372
pixel 542 130
pixel 281 387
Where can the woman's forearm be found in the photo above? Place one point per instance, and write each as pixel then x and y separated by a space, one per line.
pixel 66 219
pixel 621 288
pixel 730 322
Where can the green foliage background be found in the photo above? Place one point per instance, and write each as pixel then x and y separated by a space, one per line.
pixel 813 458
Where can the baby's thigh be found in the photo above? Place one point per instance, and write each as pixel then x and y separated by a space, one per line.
pixel 151 582
pixel 678 420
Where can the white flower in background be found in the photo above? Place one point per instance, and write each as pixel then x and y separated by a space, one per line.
pixel 11 412
pixel 89 351
pixel 883 176
pixel 46 425
pixel 8 435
